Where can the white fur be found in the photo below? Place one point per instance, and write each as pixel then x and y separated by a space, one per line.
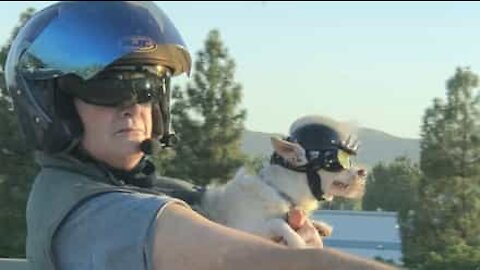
pixel 247 203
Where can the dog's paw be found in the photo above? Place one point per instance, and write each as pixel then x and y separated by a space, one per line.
pixel 323 228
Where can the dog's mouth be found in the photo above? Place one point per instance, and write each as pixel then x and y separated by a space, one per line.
pixel 340 185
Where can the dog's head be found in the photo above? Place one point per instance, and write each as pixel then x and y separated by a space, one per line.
pixel 318 144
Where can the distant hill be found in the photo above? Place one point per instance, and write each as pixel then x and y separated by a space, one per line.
pixel 376 146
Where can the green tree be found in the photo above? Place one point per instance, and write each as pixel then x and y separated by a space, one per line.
pixel 458 256
pixel 207 118
pixel 17 167
pixel 447 216
pixel 393 187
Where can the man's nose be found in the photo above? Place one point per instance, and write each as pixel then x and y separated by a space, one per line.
pixel 129 110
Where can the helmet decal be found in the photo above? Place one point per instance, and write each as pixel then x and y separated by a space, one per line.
pixel 138 44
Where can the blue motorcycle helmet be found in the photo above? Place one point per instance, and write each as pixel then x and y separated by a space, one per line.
pixel 106 53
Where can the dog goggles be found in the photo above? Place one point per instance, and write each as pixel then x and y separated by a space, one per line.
pixel 333 160
pixel 119 87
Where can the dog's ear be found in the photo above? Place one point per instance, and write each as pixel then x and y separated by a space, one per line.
pixel 292 152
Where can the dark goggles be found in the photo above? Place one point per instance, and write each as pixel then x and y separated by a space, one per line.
pixel 119 87
pixel 334 160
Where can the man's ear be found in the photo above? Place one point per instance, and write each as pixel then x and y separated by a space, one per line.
pixel 292 152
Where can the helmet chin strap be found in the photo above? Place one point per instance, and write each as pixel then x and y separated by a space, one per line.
pixel 315 183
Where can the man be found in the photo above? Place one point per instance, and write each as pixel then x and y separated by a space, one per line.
pixel 90 85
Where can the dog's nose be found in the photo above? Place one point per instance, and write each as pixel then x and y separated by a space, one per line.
pixel 362 172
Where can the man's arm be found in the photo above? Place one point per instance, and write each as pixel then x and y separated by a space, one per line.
pixel 186 240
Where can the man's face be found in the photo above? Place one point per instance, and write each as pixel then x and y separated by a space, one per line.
pixel 113 134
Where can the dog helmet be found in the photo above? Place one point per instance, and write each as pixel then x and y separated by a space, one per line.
pixel 324 146
pixel 105 53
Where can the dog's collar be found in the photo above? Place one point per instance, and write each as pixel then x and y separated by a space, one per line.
pixel 282 194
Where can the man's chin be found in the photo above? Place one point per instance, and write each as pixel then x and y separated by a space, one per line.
pixel 130 147
pixel 130 159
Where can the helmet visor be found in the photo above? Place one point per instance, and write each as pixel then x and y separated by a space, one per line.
pixel 83 38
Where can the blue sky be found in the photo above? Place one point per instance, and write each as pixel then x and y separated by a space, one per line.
pixel 378 64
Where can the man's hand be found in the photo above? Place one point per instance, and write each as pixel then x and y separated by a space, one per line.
pixel 298 220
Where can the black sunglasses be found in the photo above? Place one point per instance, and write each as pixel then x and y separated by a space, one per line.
pixel 117 87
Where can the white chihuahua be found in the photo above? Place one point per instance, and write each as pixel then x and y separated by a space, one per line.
pixel 312 164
